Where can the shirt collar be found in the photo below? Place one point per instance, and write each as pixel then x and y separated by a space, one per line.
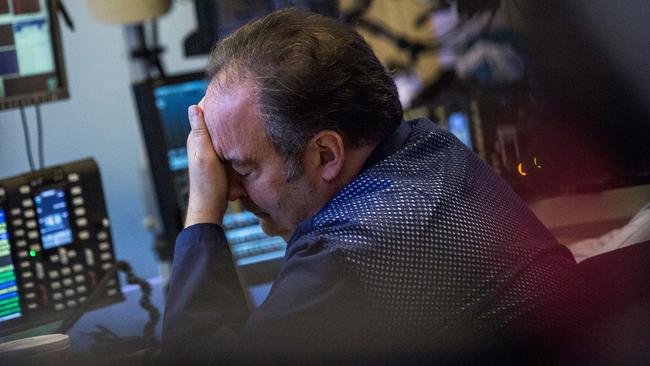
pixel 388 146
pixel 303 228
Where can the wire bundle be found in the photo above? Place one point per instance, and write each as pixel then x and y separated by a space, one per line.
pixel 28 143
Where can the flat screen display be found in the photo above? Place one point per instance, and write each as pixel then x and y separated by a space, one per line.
pixel 172 101
pixel 52 212
pixel 9 299
pixel 459 126
pixel 31 66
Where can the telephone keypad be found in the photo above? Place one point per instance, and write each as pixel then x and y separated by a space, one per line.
pixel 84 235
pixel 59 238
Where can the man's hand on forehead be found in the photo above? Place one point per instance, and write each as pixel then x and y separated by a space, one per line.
pixel 208 197
pixel 201 105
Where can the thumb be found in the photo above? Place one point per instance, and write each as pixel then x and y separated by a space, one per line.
pixel 195 117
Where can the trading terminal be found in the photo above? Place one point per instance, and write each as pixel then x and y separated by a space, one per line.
pixel 87 229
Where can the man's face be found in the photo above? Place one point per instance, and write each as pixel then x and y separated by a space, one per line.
pixel 256 172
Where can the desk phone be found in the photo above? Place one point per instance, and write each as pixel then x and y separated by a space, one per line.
pixel 55 244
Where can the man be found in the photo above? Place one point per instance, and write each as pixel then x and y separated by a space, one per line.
pixel 400 240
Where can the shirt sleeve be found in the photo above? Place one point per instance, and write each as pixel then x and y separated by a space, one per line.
pixel 205 297
pixel 313 305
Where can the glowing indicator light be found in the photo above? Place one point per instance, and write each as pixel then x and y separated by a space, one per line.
pixel 536 163
pixel 32 253
pixel 520 169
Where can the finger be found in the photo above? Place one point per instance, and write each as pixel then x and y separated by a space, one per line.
pixel 195 117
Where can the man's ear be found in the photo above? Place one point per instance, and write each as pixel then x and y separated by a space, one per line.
pixel 328 153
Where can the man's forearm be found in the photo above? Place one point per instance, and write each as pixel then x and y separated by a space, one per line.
pixel 205 295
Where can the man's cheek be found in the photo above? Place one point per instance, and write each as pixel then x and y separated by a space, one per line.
pixel 268 226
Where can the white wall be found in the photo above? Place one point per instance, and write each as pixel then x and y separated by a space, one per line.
pixel 100 121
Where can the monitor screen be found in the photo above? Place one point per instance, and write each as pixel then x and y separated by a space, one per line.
pixel 172 101
pixel 9 299
pixel 162 107
pixel 52 212
pixel 31 60
pixel 459 126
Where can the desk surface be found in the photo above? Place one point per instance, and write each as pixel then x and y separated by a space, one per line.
pixel 125 319
pixel 575 217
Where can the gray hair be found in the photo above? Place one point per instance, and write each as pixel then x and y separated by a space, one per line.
pixel 309 73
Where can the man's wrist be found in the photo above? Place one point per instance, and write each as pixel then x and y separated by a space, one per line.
pixel 198 217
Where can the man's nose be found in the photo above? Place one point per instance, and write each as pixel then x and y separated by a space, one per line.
pixel 235 188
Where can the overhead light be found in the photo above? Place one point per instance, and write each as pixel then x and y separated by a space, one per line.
pixel 127 11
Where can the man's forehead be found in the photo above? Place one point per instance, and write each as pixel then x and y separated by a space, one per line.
pixel 233 122
pixel 224 111
pixel 230 106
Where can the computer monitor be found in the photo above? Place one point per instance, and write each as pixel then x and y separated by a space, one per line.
pixel 218 18
pixel 459 125
pixel 31 54
pixel 162 106
pixel 172 101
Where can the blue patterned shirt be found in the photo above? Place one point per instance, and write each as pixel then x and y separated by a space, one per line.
pixel 426 250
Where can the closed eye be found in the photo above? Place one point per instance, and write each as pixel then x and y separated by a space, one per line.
pixel 242 167
pixel 241 173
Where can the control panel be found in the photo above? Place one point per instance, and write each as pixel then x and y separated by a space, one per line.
pixel 55 244
pixel 258 256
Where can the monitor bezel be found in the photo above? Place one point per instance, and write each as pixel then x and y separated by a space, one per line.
pixel 61 92
pixel 153 134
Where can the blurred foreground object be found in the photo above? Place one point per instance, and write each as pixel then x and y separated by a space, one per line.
pixel 637 230
pixel 127 11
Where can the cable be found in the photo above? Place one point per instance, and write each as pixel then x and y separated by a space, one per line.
pixel 39 126
pixel 28 144
pixel 66 17
pixel 154 33
pixel 145 303
pixel 156 50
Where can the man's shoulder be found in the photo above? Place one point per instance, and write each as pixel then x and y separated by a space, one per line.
pixel 345 243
